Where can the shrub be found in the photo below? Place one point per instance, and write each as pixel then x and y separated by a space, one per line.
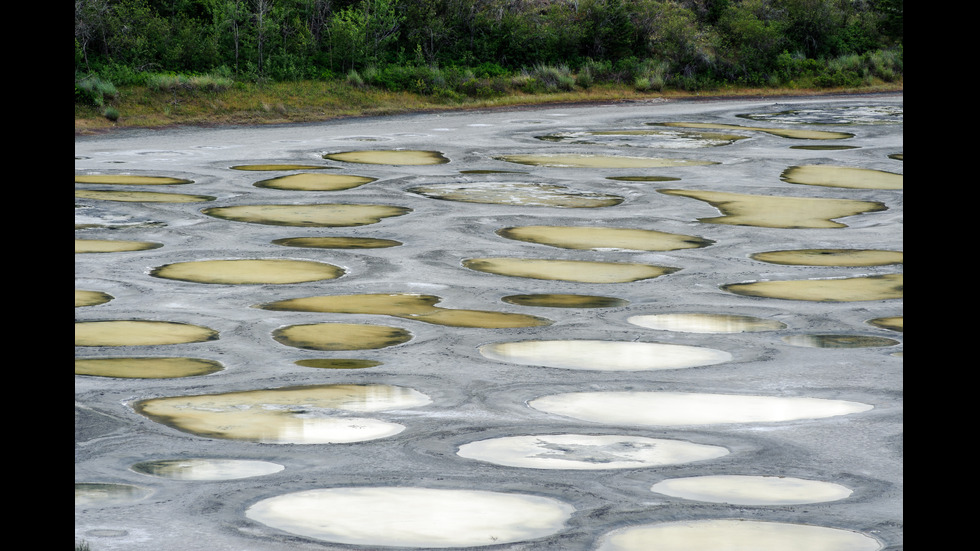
pixel 111 113
pixel 92 90
pixel 553 77
pixel 886 65
pixel 354 79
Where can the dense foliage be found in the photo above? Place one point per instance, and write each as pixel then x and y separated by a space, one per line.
pixel 422 45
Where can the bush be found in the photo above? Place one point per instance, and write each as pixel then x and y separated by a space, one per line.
pixel 838 78
pixel 552 77
pixel 111 113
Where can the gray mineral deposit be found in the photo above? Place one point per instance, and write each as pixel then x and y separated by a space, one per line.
pixel 558 328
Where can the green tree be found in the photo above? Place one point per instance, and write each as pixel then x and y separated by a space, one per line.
pixel 360 34
pixel 752 37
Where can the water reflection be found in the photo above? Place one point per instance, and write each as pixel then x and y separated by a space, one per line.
pixel 412 517
pixel 648 409
pixel 518 194
pixel 673 139
pixel 550 300
pixel 317 414
pixel 706 323
pixel 587 451
pixel 838 341
pixel 570 160
pixel 793 133
pixel 206 469
pixel 603 355
pixel 95 494
pixel 337 242
pixel 734 535
pixel 894 323
pixel 846 114
pixel 280 166
pixel 407 306
pixel 752 490
pixel 335 363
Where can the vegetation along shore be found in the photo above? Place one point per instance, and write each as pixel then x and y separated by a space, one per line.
pixel 152 63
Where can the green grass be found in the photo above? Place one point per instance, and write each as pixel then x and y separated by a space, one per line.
pixel 146 106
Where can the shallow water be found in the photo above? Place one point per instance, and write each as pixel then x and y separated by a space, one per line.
pixel 113 245
pixel 389 157
pixel 849 289
pixel 130 180
pixel 518 194
pixel 341 336
pixel 139 333
pixel 752 490
pixel 792 133
pixel 249 271
pixel 772 211
pixel 146 367
pixel 315 414
pixel 668 409
pixel 603 355
pixel 141 196
pixel 734 535
pixel 598 161
pixel 206 469
pixel 407 306
pixel 413 517
pixel 581 271
pixel 594 238
pixel 842 177
pixel 315 182
pixel 831 257
pixel 706 323
pixel 322 215
pixel 587 451
pixel 90 298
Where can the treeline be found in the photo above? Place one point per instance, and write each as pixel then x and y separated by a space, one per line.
pixel 405 44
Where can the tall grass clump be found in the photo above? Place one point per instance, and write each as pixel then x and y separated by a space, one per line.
pixel 93 90
pixel 169 82
pixel 650 75
pixel 355 79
